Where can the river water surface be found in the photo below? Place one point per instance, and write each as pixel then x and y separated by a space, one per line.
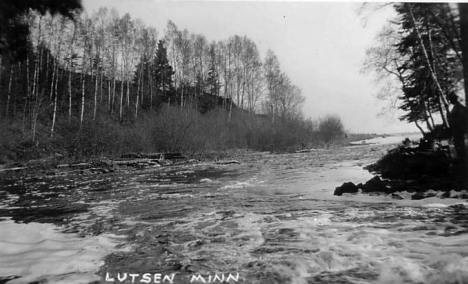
pixel 272 218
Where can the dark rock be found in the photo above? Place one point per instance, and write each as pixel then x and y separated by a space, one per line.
pixel 347 187
pixel 430 194
pixel 416 170
pixel 426 144
pixel 397 186
pixel 396 196
pixel 418 196
pixel 446 194
pixel 375 184
pixel 411 163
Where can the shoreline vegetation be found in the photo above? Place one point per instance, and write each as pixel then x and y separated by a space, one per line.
pixel 62 155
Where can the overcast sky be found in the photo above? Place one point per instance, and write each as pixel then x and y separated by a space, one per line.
pixel 320 45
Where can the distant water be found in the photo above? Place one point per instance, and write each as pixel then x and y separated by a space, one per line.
pixel 389 139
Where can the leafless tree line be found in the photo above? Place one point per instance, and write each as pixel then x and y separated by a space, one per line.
pixel 105 54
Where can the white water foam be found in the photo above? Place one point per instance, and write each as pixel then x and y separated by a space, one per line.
pixel 40 252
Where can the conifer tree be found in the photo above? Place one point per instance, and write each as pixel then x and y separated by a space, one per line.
pixel 163 73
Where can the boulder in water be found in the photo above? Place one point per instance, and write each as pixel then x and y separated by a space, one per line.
pixel 375 184
pixel 347 187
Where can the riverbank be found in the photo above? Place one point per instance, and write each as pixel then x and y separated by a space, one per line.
pixel 58 164
pixel 414 169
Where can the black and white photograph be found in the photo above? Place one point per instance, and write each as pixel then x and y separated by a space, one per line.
pixel 226 141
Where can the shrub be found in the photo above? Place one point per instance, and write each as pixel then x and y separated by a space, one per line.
pixel 167 129
pixel 331 128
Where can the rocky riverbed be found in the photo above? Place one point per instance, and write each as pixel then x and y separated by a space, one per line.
pixel 270 218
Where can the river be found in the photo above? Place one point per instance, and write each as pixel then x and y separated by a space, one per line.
pixel 272 218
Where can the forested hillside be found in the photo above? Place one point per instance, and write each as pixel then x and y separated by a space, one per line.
pixel 105 84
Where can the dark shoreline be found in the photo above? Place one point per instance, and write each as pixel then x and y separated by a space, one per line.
pixel 415 170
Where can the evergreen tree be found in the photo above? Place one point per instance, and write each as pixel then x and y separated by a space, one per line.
pixel 421 50
pixel 213 81
pixel 162 74
pixel 434 69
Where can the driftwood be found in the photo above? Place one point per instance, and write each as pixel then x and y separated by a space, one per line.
pixel 79 165
pixel 227 162
pixel 136 162
pixel 159 156
pixel 13 169
pixel 310 150
pixel 104 165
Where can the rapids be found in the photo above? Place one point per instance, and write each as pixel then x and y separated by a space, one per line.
pixel 272 218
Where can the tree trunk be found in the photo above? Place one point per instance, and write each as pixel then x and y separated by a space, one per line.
pixel 26 103
pixel 230 109
pixel 108 95
pixel 426 56
pixel 463 7
pixel 70 70
pixel 83 81
pixel 182 95
pixel 428 118
pixel 9 90
pixel 419 127
pixel 54 116
pixel 54 71
pixel 113 96
pixel 53 80
pixel 128 93
pixel 36 106
pixel 47 68
pixel 442 113
pixel 114 71
pixel 439 100
pixel 95 94
pixel 121 98
pixel 151 93
pixel 36 71
pixel 100 86
pixel 136 107
pixel 139 84
pixel 14 96
pixel 70 74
